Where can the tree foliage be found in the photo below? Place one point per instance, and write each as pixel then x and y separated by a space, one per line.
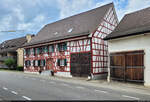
pixel 10 62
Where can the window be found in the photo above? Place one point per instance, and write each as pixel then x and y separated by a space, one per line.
pixel 27 51
pixel 35 63
pixel 42 62
pixel 27 63
pixel 45 49
pixel 39 62
pixel 40 50
pixel 62 47
pixel 51 48
pixel 62 62
pixel 34 51
pixel 37 51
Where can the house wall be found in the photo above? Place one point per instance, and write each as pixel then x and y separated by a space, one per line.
pixel 72 47
pixel 140 42
pixel 100 47
pixel 20 56
pixel 11 54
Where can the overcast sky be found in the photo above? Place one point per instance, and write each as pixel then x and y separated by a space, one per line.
pixel 29 16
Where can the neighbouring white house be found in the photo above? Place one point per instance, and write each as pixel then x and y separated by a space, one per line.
pixel 129 48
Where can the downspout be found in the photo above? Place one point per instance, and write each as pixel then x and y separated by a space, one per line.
pixel 108 76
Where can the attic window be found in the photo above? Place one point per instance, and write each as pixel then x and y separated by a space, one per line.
pixel 70 30
pixel 56 33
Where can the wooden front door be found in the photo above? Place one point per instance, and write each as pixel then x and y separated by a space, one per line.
pixel 80 64
pixel 49 64
pixel 127 66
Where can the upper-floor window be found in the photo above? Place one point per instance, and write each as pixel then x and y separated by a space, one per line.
pixel 45 49
pixel 62 62
pixel 27 51
pixel 37 51
pixel 62 47
pixel 34 51
pixel 51 48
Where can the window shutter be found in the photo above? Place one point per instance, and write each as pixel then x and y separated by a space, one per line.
pixel 29 63
pixel 58 47
pixel 25 63
pixel 28 51
pixel 37 50
pixel 65 46
pixel 33 62
pixel 46 49
pixel 33 51
pixel 58 62
pixel 39 62
pixel 40 51
pixel 65 62
pixel 44 62
pixel 52 48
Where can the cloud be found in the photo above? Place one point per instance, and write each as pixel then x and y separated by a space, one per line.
pixel 31 16
pixel 72 7
pixel 26 15
pixel 131 6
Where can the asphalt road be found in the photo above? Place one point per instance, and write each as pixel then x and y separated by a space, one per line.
pixel 19 86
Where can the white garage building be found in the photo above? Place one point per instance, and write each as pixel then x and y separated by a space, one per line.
pixel 129 48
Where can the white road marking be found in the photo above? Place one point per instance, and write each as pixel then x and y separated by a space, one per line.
pixel 33 78
pixel 5 88
pixel 52 82
pixel 79 87
pixel 65 84
pixel 42 80
pixel 27 98
pixel 130 97
pixel 101 91
pixel 26 77
pixel 14 92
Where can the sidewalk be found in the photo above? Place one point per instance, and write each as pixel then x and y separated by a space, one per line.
pixel 116 85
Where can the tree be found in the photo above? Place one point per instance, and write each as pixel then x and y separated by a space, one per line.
pixel 10 62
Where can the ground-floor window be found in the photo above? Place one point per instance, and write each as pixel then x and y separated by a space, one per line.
pixel 42 62
pixel 27 63
pixel 62 62
pixel 35 63
pixel 39 62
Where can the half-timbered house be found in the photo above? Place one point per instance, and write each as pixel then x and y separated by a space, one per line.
pixel 73 46
pixel 129 48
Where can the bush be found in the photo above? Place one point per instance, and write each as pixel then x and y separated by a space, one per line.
pixel 19 68
pixel 10 63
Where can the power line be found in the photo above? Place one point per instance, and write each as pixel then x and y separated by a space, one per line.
pixel 12 30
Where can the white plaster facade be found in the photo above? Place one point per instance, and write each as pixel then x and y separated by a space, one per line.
pixel 132 43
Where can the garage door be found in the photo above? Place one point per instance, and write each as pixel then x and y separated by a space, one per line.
pixel 80 64
pixel 127 66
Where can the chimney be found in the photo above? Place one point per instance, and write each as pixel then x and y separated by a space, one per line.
pixel 29 37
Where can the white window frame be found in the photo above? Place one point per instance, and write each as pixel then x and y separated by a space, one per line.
pixel 62 62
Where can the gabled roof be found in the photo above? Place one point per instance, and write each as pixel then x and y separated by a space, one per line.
pixel 132 24
pixel 78 25
pixel 12 45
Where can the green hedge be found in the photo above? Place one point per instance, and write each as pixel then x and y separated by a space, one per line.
pixel 19 68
